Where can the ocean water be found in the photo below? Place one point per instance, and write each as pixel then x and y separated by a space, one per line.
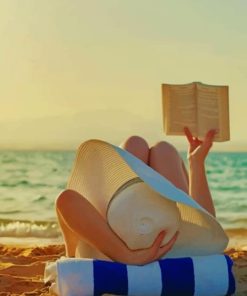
pixel 30 182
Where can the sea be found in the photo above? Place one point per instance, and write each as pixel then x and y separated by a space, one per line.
pixel 30 181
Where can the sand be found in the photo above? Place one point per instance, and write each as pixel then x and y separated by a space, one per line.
pixel 22 269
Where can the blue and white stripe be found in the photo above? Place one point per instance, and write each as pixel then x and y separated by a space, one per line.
pixel 199 276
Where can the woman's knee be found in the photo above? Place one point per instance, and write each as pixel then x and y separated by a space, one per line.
pixel 165 159
pixel 165 149
pixel 137 146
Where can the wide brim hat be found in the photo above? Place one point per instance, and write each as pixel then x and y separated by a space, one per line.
pixel 102 170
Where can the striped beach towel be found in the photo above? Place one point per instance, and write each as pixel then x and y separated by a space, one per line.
pixel 200 276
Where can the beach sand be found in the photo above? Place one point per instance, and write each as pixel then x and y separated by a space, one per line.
pixel 22 269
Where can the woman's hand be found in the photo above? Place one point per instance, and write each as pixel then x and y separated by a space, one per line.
pixel 145 256
pixel 198 150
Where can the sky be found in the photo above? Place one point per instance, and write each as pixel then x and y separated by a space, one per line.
pixel 73 70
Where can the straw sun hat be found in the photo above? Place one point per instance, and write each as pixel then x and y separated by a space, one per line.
pixel 138 202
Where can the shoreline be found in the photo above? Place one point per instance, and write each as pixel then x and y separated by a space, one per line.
pixel 237 240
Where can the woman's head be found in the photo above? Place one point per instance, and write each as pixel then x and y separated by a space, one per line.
pixel 137 214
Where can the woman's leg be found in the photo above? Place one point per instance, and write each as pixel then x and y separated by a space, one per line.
pixel 164 158
pixel 138 147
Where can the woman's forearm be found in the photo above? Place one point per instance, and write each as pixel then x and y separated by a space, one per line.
pixel 85 221
pixel 198 186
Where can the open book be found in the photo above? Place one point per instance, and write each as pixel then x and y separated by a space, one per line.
pixel 198 106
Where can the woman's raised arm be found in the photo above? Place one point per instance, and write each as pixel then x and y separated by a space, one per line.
pixel 198 184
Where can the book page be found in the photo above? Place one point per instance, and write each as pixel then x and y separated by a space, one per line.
pixel 179 108
pixel 211 102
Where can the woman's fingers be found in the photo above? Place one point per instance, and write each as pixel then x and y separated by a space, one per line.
pixel 208 141
pixel 145 256
pixel 188 135
pixel 158 250
pixel 157 243
pixel 197 141
pixel 210 135
pixel 167 247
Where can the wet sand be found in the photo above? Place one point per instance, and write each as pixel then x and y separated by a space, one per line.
pixel 22 269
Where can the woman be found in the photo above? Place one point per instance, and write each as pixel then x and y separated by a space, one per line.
pixel 93 228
